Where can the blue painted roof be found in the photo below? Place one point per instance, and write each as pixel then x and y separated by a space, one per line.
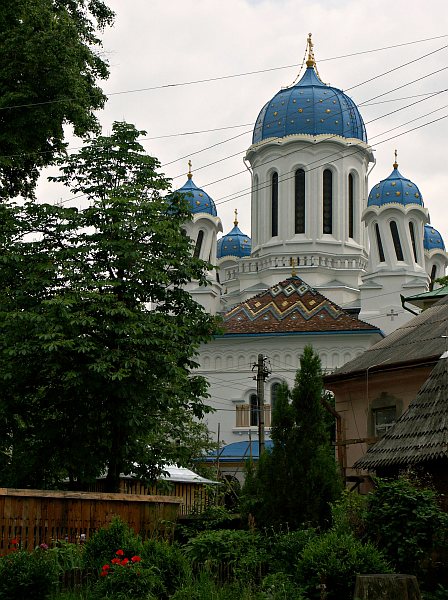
pixel 238 451
pixel 309 107
pixel 200 201
pixel 395 189
pixel 432 239
pixel 235 243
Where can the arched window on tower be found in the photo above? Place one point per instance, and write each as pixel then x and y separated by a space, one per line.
pixel 414 246
pixel 351 205
pixel 253 400
pixel 379 243
pixel 300 201
pixel 274 204
pixel 396 240
pixel 327 202
pixel 198 246
pixel 433 277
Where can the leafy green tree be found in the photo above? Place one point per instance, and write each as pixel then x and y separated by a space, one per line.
pixel 296 481
pixel 97 333
pixel 49 67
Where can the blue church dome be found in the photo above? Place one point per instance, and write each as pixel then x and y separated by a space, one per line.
pixel 395 189
pixel 432 239
pixel 200 201
pixel 309 107
pixel 234 243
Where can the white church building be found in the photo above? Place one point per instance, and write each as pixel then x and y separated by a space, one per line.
pixel 328 258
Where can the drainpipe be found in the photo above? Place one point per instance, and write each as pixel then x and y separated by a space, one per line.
pixel 342 449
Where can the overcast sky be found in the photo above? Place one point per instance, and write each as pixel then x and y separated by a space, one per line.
pixel 160 42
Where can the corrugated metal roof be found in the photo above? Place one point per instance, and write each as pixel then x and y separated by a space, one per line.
pixel 420 339
pixel 421 433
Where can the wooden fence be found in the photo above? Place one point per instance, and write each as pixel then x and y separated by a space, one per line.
pixel 34 517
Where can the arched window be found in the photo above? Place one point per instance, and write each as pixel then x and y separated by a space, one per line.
pixel 379 243
pixel 197 248
pixel 300 200
pixel 414 246
pixel 275 388
pixel 433 277
pixel 274 204
pixel 396 240
pixel 253 399
pixel 327 201
pixel 351 207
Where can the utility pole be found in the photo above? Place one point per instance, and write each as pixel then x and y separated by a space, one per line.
pixel 263 373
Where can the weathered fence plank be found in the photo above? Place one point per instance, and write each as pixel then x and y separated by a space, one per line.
pixel 34 517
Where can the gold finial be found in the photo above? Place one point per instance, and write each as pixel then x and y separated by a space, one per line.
pixel 190 174
pixel 395 165
pixel 293 263
pixel 311 61
pixel 235 222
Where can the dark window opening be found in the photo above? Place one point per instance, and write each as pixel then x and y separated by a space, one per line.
pixel 396 240
pixel 327 201
pixel 197 248
pixel 433 277
pixel 383 420
pixel 351 201
pixel 414 246
pixel 379 243
pixel 275 388
pixel 300 201
pixel 274 204
pixel 253 410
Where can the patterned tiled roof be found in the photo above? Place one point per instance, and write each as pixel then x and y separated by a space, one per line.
pixel 421 433
pixel 291 306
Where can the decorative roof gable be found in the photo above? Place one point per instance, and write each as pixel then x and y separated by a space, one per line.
pixel 291 306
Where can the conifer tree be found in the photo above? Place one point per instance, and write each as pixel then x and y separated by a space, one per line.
pixel 295 482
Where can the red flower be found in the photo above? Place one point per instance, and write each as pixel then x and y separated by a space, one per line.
pixel 119 553
pixel 103 573
pixel 115 561
pixel 14 541
pixel 124 562
pixel 106 567
pixel 136 559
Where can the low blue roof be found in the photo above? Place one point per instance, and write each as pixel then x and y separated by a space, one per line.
pixel 309 107
pixel 238 451
pixel 395 189
pixel 200 201
pixel 432 239
pixel 235 243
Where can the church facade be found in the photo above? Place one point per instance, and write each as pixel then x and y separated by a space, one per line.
pixel 328 259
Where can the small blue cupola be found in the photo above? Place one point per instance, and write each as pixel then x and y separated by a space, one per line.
pixel 309 107
pixel 200 201
pixel 235 243
pixel 395 189
pixel 432 239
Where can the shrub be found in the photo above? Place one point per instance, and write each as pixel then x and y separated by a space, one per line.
pixel 286 548
pixel 279 586
pixel 127 579
pixel 105 542
pixel 348 514
pixel 221 546
pixel 206 588
pixel 170 562
pixel 406 522
pixel 28 575
pixel 334 560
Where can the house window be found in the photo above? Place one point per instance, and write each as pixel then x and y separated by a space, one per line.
pixel 253 400
pixel 414 246
pixel 327 202
pixel 300 200
pixel 396 240
pixel 274 204
pixel 351 201
pixel 383 419
pixel 275 388
pixel 379 243
pixel 197 248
